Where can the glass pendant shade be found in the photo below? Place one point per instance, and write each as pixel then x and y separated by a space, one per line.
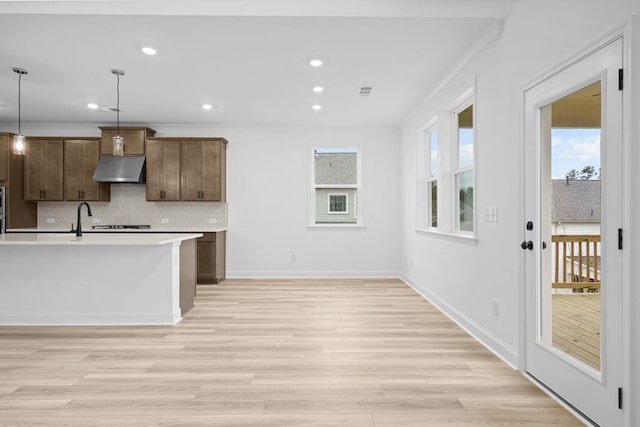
pixel 118 145
pixel 19 146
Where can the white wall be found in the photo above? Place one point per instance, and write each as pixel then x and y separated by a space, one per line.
pixel 268 180
pixel 268 174
pixel 465 278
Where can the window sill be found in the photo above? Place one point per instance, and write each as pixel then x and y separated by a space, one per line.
pixel 454 237
pixel 335 226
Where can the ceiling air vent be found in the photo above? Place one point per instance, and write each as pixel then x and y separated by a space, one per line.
pixel 365 90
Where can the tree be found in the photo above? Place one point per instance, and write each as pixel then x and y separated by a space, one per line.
pixel 586 172
pixel 572 174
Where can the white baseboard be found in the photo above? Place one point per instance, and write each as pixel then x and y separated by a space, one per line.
pixel 88 319
pixel 322 274
pixel 508 354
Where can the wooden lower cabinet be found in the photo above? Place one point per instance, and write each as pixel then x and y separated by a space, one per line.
pixel 212 257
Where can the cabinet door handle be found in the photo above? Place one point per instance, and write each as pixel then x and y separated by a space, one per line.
pixel 79 194
pixel 41 194
pixel 45 193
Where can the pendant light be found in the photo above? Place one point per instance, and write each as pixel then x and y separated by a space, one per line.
pixel 19 146
pixel 118 141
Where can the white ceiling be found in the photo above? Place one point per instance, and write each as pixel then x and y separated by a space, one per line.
pixel 252 68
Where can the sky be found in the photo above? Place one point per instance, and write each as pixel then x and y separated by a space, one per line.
pixel 574 149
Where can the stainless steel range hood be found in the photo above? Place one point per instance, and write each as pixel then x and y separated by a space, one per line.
pixel 121 169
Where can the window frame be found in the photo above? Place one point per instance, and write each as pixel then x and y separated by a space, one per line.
pixel 430 177
pixel 457 171
pixel 358 208
pixel 346 203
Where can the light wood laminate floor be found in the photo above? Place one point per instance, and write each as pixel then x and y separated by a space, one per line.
pixel 350 353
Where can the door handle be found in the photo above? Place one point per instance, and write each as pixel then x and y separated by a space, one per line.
pixel 527 244
pixel 544 245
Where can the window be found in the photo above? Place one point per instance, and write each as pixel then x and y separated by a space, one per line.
pixel 463 172
pixel 336 183
pixel 445 172
pixel 338 203
pixel 432 178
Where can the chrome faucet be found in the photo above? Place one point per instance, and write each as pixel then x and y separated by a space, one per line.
pixel 79 226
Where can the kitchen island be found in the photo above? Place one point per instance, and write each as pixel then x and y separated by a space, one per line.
pixel 96 279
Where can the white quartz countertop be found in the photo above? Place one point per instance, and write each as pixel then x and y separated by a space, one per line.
pixel 127 230
pixel 95 239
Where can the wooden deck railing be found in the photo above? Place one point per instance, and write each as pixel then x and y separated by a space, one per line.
pixel 575 263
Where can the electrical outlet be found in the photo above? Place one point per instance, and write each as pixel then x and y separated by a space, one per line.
pixel 51 220
pixel 411 262
pixel 213 220
pixel 164 220
pixel 293 257
pixel 96 220
pixel 495 307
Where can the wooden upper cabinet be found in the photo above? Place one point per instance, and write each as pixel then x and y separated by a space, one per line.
pixel 203 170
pixel 163 169
pixel 43 171
pixel 134 139
pixel 4 157
pixel 80 161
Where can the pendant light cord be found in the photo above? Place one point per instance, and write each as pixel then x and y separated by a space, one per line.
pixel 19 98
pixel 118 102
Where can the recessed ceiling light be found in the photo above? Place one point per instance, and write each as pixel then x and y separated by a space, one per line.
pixel 316 107
pixel 149 50
pixel 318 89
pixel 315 63
pixel 93 106
pixel 207 107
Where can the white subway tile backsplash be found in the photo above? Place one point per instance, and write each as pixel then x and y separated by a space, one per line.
pixel 129 206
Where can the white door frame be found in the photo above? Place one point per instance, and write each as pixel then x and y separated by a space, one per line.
pixel 621 31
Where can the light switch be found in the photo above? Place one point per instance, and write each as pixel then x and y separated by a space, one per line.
pixel 491 214
pixel 165 220
pixel 51 220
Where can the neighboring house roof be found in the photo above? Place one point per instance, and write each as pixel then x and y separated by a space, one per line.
pixel 576 200
pixel 336 168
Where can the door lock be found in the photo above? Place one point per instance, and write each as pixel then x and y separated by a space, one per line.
pixel 527 244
